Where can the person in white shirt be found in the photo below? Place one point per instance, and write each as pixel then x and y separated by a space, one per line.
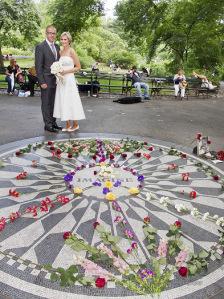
pixel 179 84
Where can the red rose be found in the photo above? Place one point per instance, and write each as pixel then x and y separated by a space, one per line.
pixel 67 235
pixel 150 148
pixel 95 224
pixel 178 224
pixel 183 156
pixel 18 153
pixel 193 194
pixel 183 271
pixel 145 143
pixel 111 156
pixel 70 156
pixel 198 136
pixel 100 282
pixel 209 142
pixel 94 157
pixel 52 148
pixel 146 219
pixel 124 156
pixel 138 155
pixel 58 151
pixel 215 177
pixel 50 143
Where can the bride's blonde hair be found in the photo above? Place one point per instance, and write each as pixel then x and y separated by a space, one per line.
pixel 66 33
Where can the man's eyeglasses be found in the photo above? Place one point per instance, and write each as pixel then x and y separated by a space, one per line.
pixel 51 33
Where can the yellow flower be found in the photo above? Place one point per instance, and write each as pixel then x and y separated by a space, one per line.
pixel 133 191
pixel 108 184
pixel 77 190
pixel 110 196
pixel 102 164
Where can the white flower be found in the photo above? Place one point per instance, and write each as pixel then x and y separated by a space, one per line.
pixel 194 212
pixel 205 216
pixel 164 201
pixel 56 67
pixel 181 208
pixel 150 195
pixel 215 217
pixel 220 221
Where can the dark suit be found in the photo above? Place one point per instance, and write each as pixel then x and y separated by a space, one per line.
pixel 44 58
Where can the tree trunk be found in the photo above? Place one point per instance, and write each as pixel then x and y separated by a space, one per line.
pixel 1 59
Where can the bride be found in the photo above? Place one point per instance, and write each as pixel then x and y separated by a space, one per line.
pixel 68 105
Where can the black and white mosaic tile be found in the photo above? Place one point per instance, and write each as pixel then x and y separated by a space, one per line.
pixel 30 242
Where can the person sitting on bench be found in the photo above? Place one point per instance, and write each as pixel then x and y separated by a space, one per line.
pixel 204 81
pixel 180 84
pixel 138 84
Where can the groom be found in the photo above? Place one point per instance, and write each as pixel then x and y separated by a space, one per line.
pixel 45 54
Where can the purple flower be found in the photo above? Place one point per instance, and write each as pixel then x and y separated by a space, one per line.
pixel 68 177
pixel 96 183
pixel 129 233
pixel 145 273
pixel 117 183
pixel 141 178
pixel 129 250
pixel 106 190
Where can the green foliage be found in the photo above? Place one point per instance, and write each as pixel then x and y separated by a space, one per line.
pixel 20 22
pixel 191 31
pixel 75 16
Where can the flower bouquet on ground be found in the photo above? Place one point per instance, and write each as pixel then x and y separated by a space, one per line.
pixel 56 69
pixel 124 264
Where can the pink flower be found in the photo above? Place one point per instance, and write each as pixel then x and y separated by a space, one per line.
pixel 134 245
pixel 92 269
pixel 128 233
pixel 2 223
pixel 181 258
pixel 117 261
pixel 162 249
pixel 146 219
pixel 118 219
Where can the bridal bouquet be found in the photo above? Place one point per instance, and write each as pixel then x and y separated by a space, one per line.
pixel 56 69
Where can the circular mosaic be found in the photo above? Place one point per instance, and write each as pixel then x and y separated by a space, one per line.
pixel 87 187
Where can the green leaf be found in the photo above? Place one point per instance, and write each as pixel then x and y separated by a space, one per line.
pixel 192 269
pixel 203 254
pixel 48 267
pixel 217 256
pixel 72 269
pixel 54 276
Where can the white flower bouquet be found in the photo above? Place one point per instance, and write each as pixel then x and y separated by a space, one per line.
pixel 56 69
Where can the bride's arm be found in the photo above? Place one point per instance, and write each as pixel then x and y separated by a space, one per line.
pixel 77 65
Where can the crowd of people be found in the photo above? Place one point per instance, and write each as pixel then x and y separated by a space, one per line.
pixel 14 75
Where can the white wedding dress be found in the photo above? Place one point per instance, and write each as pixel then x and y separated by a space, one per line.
pixel 68 105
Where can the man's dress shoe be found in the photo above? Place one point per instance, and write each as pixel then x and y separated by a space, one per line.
pixel 50 129
pixel 55 126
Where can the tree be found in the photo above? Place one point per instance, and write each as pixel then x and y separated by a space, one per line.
pixel 74 15
pixel 18 19
pixel 186 29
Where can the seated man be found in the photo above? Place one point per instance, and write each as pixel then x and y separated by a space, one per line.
pixel 138 84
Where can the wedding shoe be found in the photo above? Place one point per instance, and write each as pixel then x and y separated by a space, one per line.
pixel 66 129
pixel 73 129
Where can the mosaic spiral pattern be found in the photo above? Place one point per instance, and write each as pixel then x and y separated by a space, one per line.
pixel 30 242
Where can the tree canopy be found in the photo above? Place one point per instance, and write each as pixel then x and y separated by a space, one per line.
pixel 191 30
pixel 19 20
pixel 74 16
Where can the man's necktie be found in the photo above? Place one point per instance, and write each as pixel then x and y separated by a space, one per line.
pixel 54 51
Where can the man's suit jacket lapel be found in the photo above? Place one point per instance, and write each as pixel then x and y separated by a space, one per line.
pixel 48 49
